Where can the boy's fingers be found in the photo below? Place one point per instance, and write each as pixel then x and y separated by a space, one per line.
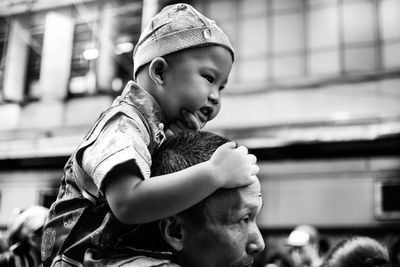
pixel 176 127
pixel 255 169
pixel 169 132
pixel 252 158
pixel 173 128
pixel 253 178
pixel 243 149
pixel 230 144
pixel 181 125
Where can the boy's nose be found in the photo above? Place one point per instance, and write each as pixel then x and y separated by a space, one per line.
pixel 214 97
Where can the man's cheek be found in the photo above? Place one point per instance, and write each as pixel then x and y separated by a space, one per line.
pixel 233 237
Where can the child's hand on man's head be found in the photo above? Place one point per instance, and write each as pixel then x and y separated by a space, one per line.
pixel 188 122
pixel 234 165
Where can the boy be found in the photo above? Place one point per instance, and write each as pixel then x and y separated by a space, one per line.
pixel 181 63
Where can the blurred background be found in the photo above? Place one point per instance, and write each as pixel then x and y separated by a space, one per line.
pixel 314 93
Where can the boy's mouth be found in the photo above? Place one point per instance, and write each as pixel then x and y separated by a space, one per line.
pixel 202 116
pixel 205 113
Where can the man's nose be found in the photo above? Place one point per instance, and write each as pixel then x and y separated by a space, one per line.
pixel 256 242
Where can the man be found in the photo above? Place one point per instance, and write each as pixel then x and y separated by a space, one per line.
pixel 220 231
pixel 304 246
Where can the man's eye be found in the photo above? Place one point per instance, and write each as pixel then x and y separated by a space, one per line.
pixel 245 219
pixel 209 78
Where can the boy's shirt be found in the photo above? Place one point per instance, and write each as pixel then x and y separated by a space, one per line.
pixel 81 218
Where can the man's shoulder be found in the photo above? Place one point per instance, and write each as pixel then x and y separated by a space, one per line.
pixel 142 261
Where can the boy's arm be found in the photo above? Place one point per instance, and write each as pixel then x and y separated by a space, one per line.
pixel 135 201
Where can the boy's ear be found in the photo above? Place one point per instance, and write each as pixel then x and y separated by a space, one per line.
pixel 172 231
pixel 157 70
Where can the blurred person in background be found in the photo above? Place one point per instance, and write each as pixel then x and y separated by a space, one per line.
pixel 304 246
pixel 358 252
pixel 278 258
pixel 24 238
pixel 3 242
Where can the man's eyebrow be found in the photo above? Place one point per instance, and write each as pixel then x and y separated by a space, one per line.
pixel 253 206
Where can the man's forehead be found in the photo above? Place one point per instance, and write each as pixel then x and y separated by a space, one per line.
pixel 225 201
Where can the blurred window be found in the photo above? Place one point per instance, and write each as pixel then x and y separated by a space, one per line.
pixel 35 46
pixel 47 197
pixel 4 31
pixel 32 90
pixel 128 28
pixel 84 49
pixel 390 33
pixel 323 40
pixel 359 36
pixel 83 41
pixel 288 50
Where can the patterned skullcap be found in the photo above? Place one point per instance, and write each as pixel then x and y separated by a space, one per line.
pixel 174 28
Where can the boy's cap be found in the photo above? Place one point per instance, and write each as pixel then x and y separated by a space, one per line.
pixel 174 28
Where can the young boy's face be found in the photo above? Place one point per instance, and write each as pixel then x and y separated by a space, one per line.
pixel 193 81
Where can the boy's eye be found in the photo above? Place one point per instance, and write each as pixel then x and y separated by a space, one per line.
pixel 209 78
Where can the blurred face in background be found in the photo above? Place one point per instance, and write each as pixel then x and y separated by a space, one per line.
pixel 303 256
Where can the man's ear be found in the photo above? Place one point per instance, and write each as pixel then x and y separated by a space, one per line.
pixel 157 70
pixel 172 231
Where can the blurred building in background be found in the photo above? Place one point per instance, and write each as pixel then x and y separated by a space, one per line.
pixel 314 92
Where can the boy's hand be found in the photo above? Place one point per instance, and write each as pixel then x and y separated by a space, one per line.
pixel 234 167
pixel 189 121
pixel 175 128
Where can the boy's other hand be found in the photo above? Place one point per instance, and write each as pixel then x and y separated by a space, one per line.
pixel 175 128
pixel 189 122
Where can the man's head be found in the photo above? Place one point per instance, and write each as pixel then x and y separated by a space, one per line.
pixel 219 231
pixel 303 244
pixel 183 59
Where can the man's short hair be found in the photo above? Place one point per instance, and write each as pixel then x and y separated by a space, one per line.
pixel 181 151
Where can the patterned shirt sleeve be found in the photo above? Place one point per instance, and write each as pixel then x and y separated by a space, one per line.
pixel 122 139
